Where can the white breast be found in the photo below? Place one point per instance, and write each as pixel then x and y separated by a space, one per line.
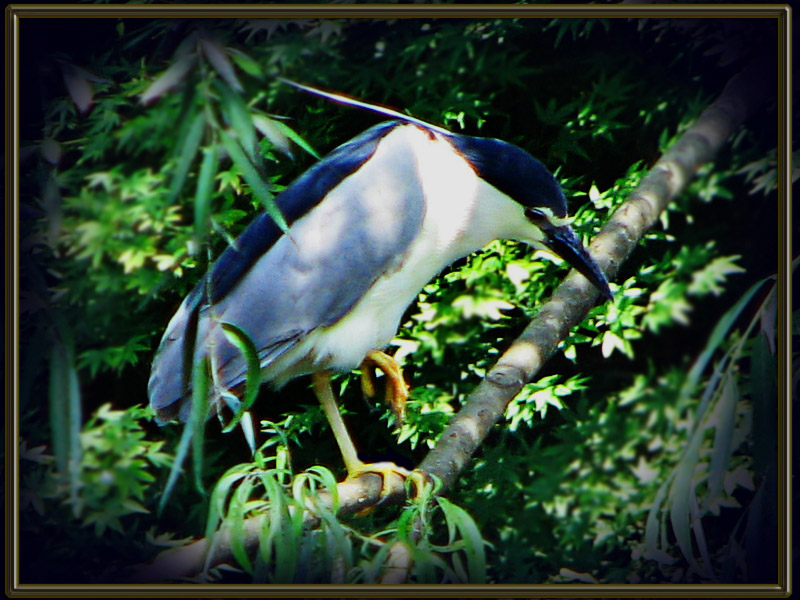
pixel 462 214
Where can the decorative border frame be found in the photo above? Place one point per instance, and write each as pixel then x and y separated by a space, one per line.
pixel 780 13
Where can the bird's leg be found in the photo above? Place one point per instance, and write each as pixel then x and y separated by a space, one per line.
pixel 396 389
pixel 322 388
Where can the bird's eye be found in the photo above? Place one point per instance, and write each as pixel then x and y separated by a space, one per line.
pixel 535 215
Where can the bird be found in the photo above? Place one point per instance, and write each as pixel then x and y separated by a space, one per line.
pixel 369 225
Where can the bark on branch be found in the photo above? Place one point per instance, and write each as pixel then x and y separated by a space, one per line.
pixel 568 306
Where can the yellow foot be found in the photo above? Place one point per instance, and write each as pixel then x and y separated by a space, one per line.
pixel 392 476
pixel 396 389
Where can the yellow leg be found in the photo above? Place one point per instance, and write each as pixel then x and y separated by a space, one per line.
pixel 322 388
pixel 396 389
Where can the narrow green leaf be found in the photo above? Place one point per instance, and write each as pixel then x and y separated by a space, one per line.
pixel 235 518
pixel 188 151
pixel 700 538
pixel 718 335
pixel 246 423
pixel 245 63
pixel 240 120
pixel 219 60
pixel 328 479
pixel 764 386
pixel 723 434
pixel 59 421
pixel 202 200
pixel 287 549
pixel 177 466
pixel 295 137
pixel 169 79
pixel 74 419
pixel 79 88
pixel 470 534
pixel 270 130
pixel 651 549
pixel 254 180
pixel 239 338
pixel 201 378
pixel 681 496
pixel 216 504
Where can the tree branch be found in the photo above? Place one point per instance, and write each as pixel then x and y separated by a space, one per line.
pixel 568 306
pixel 573 299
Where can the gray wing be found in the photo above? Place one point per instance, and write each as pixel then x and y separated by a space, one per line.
pixel 308 279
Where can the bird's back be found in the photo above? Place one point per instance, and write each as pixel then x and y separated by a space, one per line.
pixel 279 288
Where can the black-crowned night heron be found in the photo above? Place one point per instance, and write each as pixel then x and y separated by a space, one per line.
pixel 370 225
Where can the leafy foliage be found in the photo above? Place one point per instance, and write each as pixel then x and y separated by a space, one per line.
pixel 639 453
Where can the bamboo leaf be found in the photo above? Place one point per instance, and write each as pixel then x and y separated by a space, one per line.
pixel 177 466
pixel 169 78
pixel 295 137
pixel 78 86
pixel 188 151
pixel 58 408
pixel 764 396
pixel 239 338
pixel 254 180
pixel 723 434
pixel 202 200
pixel 240 120
pixel 74 420
pixel 236 515
pixel 287 549
pixel 201 379
pixel 681 495
pixel 216 503
pixel 219 60
pixel 245 63
pixel 473 541
pixel 718 335
pixel 273 133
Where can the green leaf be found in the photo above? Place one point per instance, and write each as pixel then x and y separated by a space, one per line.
pixel 254 180
pixel 458 518
pixel 235 519
pixel 216 503
pixel 202 200
pixel 718 335
pixel 246 63
pixel 682 494
pixel 219 60
pixel 241 121
pixel 59 420
pixel 201 380
pixel 239 338
pixel 169 79
pixel 269 129
pixel 723 434
pixel 295 137
pixel 188 151
pixel 177 466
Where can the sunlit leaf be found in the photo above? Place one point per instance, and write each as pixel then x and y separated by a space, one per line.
pixel 219 60
pixel 79 88
pixel 169 78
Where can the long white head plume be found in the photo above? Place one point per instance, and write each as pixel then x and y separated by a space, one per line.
pixel 353 102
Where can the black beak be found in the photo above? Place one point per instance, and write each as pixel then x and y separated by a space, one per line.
pixel 564 242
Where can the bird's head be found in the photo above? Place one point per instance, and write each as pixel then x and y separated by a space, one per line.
pixel 516 174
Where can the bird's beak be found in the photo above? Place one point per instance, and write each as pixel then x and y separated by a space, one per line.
pixel 565 243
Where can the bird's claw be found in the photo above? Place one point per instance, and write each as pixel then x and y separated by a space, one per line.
pixel 393 477
pixel 396 388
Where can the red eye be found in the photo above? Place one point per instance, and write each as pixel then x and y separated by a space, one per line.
pixel 535 215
